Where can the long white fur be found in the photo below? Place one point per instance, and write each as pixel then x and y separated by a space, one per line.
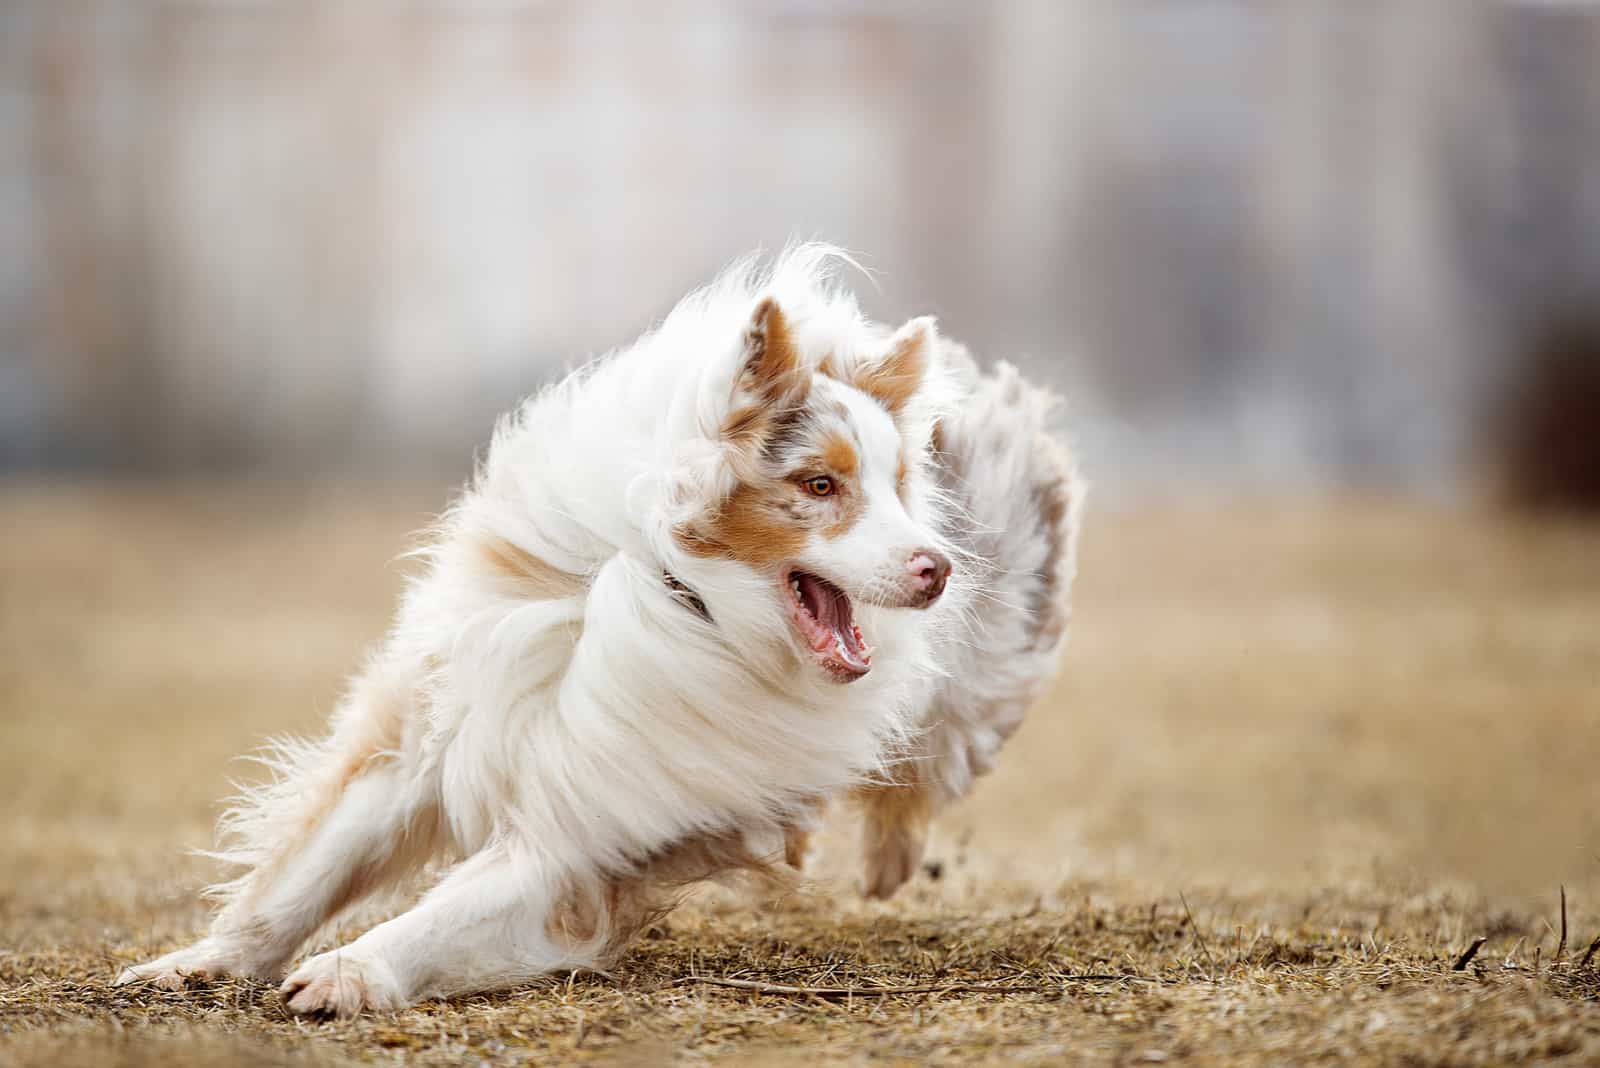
pixel 555 742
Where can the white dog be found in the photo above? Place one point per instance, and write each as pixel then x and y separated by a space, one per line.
pixel 624 667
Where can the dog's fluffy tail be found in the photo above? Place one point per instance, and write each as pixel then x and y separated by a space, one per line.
pixel 1015 496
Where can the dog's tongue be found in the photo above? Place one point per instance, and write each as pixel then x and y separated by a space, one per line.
pixel 833 612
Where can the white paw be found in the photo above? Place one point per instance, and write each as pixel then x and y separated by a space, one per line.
pixel 342 983
pixel 202 961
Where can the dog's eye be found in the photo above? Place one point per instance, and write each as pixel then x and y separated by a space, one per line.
pixel 821 486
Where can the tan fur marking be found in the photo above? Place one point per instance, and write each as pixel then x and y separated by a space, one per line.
pixel 374 731
pixel 531 576
pixel 746 426
pixel 902 477
pixel 377 733
pixel 893 380
pixel 796 843
pixel 696 543
pixel 839 455
pixel 751 527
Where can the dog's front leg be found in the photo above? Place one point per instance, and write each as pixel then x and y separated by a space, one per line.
pixel 483 927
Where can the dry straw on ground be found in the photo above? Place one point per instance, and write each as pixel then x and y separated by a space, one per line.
pixel 1301 760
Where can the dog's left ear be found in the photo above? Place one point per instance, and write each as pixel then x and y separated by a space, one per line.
pixel 771 381
pixel 894 376
pixel 773 373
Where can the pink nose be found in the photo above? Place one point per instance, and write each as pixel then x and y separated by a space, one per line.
pixel 930 570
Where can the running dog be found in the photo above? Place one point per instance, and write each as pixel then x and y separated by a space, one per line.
pixel 768 555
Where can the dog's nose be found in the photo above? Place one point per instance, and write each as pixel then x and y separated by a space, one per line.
pixel 930 570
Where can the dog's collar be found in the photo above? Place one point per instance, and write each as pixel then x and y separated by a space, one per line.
pixel 686 597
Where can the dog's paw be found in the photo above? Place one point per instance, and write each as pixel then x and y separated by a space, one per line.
pixel 200 962
pixel 892 860
pixel 341 983
pixel 894 832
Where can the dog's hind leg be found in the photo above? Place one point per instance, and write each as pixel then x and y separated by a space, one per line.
pixel 345 817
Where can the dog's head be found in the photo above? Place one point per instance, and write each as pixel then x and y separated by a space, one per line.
pixel 823 490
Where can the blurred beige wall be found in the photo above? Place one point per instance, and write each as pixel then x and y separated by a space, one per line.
pixel 1296 243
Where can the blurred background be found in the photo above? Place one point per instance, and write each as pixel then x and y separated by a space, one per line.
pixel 1320 280
pixel 1263 245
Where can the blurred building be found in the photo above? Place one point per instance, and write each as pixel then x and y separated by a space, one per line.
pixel 1258 244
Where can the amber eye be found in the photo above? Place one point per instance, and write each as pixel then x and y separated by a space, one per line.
pixel 821 486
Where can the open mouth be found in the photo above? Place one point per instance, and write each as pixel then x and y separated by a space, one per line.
pixel 822 615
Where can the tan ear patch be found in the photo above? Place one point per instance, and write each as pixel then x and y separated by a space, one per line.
pixel 772 368
pixel 772 375
pixel 894 379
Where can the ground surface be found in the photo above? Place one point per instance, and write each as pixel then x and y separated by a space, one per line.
pixel 1299 759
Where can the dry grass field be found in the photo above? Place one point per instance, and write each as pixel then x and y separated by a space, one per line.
pixel 1300 758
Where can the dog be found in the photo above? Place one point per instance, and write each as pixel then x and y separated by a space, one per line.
pixel 769 555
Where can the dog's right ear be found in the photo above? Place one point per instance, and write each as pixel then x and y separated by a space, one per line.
pixel 773 374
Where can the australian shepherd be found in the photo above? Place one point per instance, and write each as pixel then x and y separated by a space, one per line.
pixel 769 555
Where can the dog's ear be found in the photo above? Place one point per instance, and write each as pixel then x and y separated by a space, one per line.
pixel 772 372
pixel 772 381
pixel 894 376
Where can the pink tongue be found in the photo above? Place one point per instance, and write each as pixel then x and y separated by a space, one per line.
pixel 835 617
